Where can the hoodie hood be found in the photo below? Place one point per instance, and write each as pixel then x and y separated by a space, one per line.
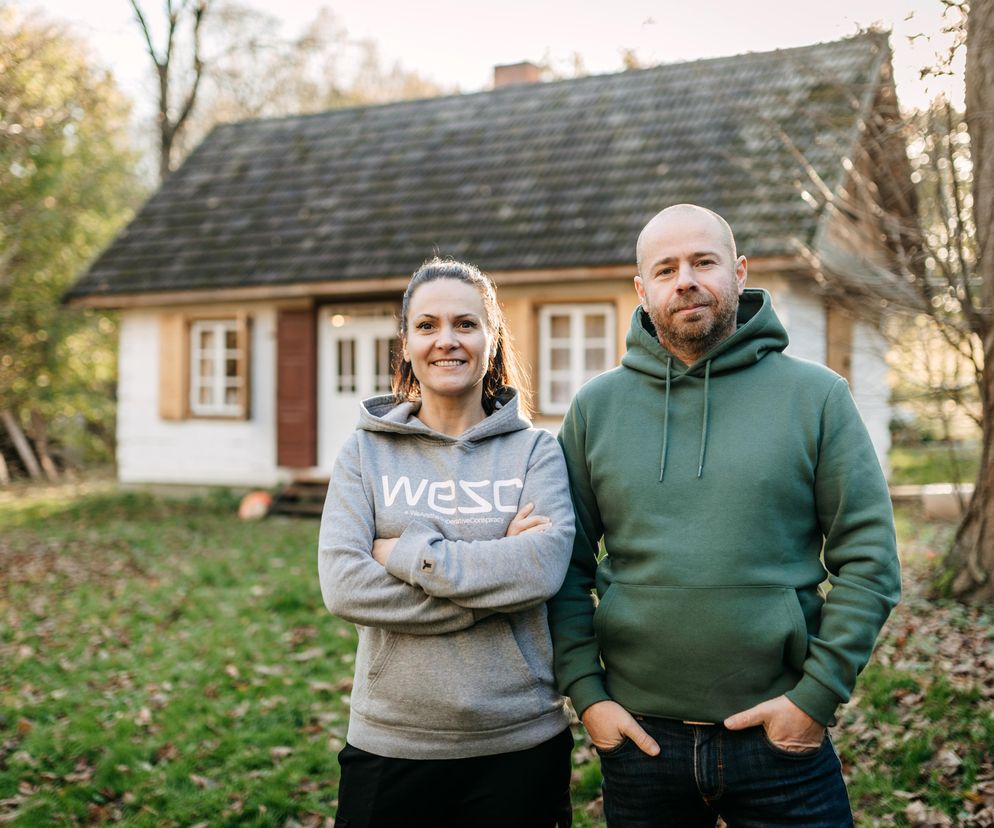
pixel 385 414
pixel 758 333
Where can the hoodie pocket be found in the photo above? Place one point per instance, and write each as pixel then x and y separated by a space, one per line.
pixel 699 652
pixel 473 680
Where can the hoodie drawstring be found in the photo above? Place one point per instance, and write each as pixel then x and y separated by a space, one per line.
pixel 704 421
pixel 666 422
pixel 704 424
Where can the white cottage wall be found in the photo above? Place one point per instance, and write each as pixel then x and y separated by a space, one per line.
pixel 870 387
pixel 243 453
pixel 803 314
pixel 195 451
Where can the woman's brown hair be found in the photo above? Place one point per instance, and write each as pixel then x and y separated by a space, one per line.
pixel 503 369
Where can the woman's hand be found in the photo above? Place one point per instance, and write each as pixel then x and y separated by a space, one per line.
pixel 524 521
pixel 382 547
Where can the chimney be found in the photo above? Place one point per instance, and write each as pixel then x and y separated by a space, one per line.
pixel 515 74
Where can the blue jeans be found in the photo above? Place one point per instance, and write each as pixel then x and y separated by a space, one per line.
pixel 706 771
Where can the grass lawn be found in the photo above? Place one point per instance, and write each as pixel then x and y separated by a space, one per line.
pixel 162 663
pixel 934 463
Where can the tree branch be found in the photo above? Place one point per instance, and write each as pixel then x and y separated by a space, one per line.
pixel 198 67
pixel 143 25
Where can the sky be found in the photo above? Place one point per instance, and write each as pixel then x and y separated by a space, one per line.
pixel 456 43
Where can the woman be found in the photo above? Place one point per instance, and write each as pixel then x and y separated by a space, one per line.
pixel 447 526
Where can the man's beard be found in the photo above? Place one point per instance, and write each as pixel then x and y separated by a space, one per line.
pixel 696 337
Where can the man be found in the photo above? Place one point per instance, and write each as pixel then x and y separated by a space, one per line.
pixel 725 479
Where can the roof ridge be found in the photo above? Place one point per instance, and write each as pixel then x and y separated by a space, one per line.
pixel 870 35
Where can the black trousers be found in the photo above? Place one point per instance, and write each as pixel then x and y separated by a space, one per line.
pixel 524 789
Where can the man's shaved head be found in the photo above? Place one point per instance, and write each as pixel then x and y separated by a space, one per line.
pixel 685 209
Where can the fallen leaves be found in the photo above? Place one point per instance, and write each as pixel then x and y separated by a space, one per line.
pixel 202 782
pixel 22 757
pixel 947 761
pixel 341 686
pixel 920 816
pixel 166 753
pixel 83 772
pixel 240 710
pixel 299 635
pixel 940 658
pixel 29 558
pixel 308 655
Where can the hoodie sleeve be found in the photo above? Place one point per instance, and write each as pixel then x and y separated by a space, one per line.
pixel 860 553
pixel 354 586
pixel 571 612
pixel 500 574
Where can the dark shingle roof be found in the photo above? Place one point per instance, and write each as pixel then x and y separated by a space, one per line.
pixel 551 175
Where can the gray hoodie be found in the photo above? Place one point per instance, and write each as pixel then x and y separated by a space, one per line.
pixel 455 656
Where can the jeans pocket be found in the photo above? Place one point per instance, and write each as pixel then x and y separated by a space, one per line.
pixel 807 753
pixel 607 753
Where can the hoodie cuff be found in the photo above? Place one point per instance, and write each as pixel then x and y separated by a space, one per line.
pixel 412 555
pixel 587 691
pixel 816 700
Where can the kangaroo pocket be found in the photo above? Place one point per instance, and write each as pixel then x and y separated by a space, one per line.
pixel 468 681
pixel 699 653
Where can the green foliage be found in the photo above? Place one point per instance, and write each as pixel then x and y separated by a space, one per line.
pixel 67 184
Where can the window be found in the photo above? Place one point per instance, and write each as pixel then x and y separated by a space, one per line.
pixel 387 349
pixel 576 343
pixel 218 376
pixel 346 381
pixel 348 362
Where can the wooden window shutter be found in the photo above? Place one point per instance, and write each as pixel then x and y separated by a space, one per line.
pixel 296 388
pixel 838 336
pixel 174 367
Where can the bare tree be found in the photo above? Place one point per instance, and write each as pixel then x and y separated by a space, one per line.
pixel 222 61
pixel 971 560
pixel 940 237
pixel 947 258
pixel 175 106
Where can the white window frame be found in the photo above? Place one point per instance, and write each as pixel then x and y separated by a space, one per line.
pixel 576 375
pixel 218 355
pixel 383 363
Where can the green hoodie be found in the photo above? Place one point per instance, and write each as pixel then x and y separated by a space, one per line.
pixel 725 492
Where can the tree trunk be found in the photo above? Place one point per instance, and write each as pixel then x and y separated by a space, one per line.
pixel 4 471
pixel 165 158
pixel 39 433
pixel 21 444
pixel 970 563
pixel 971 560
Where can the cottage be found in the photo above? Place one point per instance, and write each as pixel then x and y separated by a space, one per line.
pixel 259 286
